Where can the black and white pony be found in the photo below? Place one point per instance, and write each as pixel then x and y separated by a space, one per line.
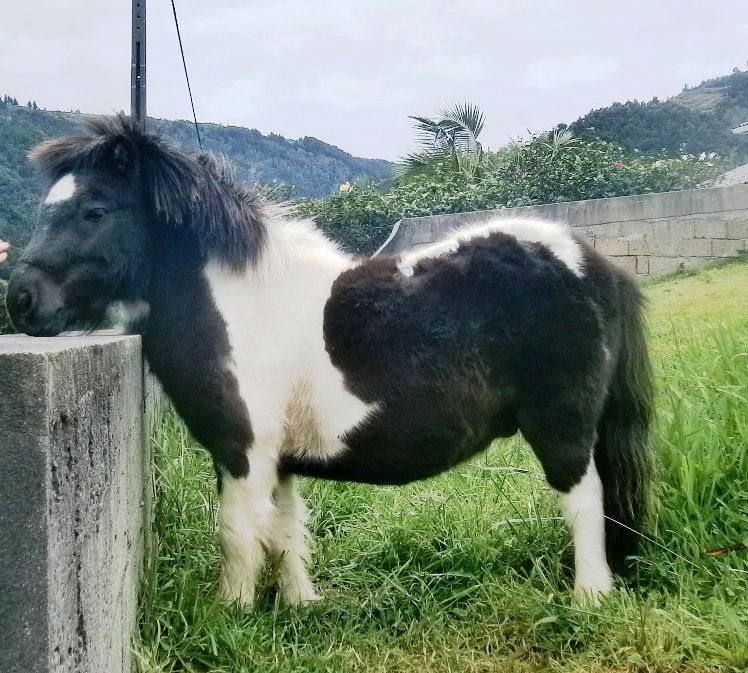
pixel 287 357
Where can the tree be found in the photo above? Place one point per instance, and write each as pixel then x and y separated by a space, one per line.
pixel 451 140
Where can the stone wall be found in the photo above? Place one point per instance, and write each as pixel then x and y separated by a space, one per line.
pixel 74 498
pixel 648 235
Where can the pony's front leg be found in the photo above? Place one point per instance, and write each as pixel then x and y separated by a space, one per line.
pixel 246 523
pixel 290 545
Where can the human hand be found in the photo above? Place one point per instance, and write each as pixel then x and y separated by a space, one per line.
pixel 4 247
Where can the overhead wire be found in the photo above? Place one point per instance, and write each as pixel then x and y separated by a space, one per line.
pixel 186 74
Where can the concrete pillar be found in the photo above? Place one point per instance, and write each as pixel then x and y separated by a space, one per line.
pixel 74 494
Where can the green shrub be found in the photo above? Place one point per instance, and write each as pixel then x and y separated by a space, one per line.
pixel 549 168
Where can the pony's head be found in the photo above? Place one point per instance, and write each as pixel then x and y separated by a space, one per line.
pixel 112 193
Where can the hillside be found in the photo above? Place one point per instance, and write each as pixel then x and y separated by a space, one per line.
pixel 308 167
pixel 726 96
pixel 697 120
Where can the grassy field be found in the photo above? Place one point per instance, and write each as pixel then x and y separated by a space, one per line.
pixel 471 571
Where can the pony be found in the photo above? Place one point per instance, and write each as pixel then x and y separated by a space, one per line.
pixel 287 357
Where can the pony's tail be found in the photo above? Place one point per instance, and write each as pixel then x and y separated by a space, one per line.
pixel 622 454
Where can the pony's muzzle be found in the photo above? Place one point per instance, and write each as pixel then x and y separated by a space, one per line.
pixel 35 302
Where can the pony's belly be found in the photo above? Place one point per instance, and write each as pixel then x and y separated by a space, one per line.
pixel 348 465
pixel 383 451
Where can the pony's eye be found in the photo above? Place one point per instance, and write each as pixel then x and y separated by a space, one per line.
pixel 95 214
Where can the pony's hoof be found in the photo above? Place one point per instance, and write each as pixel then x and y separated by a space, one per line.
pixel 592 594
pixel 236 594
pixel 300 595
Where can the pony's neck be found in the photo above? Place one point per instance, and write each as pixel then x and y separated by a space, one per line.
pixel 180 298
pixel 187 348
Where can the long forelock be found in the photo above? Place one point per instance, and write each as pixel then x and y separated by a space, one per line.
pixel 180 188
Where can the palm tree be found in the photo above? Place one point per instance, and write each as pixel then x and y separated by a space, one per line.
pixel 451 140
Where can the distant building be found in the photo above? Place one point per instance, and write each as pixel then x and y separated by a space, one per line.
pixel 737 176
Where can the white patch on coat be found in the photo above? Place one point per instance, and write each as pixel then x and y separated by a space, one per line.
pixel 290 545
pixel 273 315
pixel 405 266
pixel 126 314
pixel 247 524
pixel 582 508
pixel 62 190
pixel 297 401
pixel 553 235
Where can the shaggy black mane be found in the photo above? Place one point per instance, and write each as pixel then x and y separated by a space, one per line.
pixel 180 188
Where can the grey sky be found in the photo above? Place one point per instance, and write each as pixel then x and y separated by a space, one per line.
pixel 350 72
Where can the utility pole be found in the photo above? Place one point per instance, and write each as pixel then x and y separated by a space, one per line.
pixel 137 63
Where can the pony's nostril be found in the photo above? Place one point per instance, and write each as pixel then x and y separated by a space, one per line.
pixel 24 302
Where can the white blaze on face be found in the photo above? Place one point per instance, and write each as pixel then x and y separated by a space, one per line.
pixel 62 190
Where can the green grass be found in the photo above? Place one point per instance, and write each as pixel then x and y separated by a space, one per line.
pixel 471 571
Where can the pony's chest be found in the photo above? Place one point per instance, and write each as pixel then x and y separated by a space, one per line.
pixel 295 397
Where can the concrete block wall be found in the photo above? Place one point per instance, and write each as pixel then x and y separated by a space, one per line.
pixel 74 498
pixel 648 235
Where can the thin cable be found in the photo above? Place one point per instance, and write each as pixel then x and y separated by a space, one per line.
pixel 186 75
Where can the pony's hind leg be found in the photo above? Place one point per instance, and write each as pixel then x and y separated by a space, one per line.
pixel 290 546
pixel 246 524
pixel 566 452
pixel 582 507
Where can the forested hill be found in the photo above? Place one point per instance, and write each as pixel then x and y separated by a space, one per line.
pixel 308 167
pixel 697 120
